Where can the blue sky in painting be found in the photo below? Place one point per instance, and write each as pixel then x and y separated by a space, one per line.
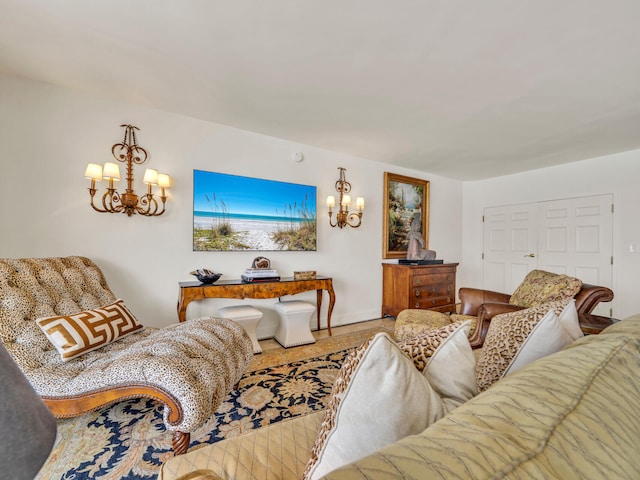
pixel 249 196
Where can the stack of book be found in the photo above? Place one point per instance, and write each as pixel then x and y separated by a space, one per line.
pixel 254 275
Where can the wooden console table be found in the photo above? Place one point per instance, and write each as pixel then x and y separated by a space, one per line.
pixel 190 291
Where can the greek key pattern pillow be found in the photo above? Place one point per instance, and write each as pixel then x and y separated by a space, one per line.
pixel 74 335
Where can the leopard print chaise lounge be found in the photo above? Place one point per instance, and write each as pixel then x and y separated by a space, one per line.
pixel 190 367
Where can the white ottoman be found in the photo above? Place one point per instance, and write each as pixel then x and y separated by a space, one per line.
pixel 247 317
pixel 294 323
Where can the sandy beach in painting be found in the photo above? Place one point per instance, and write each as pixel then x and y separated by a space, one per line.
pixel 255 233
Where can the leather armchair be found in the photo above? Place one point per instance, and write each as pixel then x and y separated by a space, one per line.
pixel 486 304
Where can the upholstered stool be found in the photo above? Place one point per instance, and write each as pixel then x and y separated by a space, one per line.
pixel 413 322
pixel 294 323
pixel 247 317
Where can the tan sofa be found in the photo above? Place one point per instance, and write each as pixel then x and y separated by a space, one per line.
pixel 570 415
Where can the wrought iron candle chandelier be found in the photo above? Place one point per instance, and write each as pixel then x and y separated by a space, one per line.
pixel 343 217
pixel 129 152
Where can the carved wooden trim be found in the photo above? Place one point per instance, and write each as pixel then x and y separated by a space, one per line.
pixel 73 406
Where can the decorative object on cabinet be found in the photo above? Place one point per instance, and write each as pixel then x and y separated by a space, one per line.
pixel 416 250
pixel 235 213
pixel 261 262
pixel 129 152
pixel 205 275
pixel 406 200
pixel 304 275
pixel 343 217
pixel 431 287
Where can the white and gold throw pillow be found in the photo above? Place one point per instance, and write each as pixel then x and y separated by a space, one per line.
pixel 506 334
pixel 451 370
pixel 551 334
pixel 379 397
pixel 77 334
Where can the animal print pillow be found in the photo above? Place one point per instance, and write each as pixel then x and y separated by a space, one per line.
pixel 506 335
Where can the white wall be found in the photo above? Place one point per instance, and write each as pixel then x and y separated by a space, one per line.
pixel 49 134
pixel 618 174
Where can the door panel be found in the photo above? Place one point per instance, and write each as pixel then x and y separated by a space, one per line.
pixel 510 237
pixel 580 241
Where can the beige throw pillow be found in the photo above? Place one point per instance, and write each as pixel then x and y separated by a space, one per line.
pixel 507 333
pixel 379 397
pixel 77 334
pixel 451 371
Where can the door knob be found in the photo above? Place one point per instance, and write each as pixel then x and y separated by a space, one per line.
pixel 532 255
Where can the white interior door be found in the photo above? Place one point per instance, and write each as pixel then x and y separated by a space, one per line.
pixel 576 238
pixel 510 245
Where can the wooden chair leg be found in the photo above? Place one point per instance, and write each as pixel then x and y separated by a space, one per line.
pixel 180 442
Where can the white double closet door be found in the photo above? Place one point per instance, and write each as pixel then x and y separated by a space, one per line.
pixel 573 236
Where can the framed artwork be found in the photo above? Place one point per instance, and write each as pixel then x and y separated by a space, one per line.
pixel 235 213
pixel 406 212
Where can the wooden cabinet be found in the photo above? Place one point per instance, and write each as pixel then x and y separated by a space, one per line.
pixel 429 287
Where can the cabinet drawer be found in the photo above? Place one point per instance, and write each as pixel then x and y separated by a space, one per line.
pixel 437 290
pixel 430 302
pixel 418 280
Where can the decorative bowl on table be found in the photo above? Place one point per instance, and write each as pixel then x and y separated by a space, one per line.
pixel 206 276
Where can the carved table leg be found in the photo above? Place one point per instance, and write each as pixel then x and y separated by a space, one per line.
pixel 332 302
pixel 180 442
pixel 318 304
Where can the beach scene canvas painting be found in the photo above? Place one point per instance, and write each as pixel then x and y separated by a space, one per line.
pixel 236 213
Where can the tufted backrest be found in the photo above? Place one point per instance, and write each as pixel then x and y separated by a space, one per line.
pixel 31 288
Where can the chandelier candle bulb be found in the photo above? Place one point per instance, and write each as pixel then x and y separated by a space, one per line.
pixel 331 201
pixel 150 177
pixel 111 172
pixel 164 180
pixel 360 203
pixel 93 171
pixel 346 200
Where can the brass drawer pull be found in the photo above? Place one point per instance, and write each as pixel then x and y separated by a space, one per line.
pixel 417 293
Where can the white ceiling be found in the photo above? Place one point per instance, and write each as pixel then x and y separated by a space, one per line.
pixel 461 88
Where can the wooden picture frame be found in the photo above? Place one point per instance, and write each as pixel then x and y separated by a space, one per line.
pixel 404 197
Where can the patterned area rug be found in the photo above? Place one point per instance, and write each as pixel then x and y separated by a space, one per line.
pixel 129 441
